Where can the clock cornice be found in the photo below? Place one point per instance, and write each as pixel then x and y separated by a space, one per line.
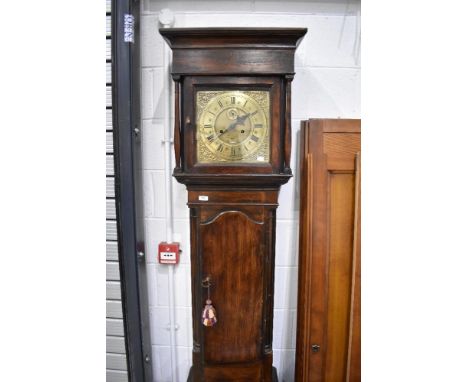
pixel 233 51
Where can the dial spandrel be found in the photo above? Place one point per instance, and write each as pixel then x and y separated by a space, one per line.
pixel 233 126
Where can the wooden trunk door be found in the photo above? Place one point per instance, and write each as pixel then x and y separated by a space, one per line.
pixel 233 243
pixel 328 342
pixel 232 257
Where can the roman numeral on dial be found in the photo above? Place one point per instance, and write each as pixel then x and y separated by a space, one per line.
pixel 254 138
pixel 233 100
pixel 220 148
pixel 258 126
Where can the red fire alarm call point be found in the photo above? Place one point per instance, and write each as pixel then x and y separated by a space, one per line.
pixel 168 253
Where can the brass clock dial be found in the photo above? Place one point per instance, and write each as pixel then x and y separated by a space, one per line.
pixel 233 126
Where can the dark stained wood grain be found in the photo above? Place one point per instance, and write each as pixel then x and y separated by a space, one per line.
pixel 287 125
pixel 242 377
pixel 177 127
pixel 233 235
pixel 233 254
pixel 234 197
pixel 232 37
pixel 221 61
pixel 211 51
pixel 242 372
pixel 329 254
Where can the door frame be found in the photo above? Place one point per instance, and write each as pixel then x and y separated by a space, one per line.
pixel 128 189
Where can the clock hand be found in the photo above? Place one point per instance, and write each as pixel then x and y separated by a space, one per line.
pixel 231 126
pixel 244 117
pixel 239 121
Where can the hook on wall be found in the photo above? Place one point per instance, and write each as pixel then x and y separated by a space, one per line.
pixel 166 18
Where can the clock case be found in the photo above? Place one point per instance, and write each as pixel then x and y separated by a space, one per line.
pixel 233 205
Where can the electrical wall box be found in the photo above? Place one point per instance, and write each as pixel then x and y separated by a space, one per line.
pixel 168 253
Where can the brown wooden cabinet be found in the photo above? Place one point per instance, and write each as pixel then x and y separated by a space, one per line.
pixel 232 142
pixel 328 328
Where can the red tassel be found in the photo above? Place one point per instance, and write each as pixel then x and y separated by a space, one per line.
pixel 209 314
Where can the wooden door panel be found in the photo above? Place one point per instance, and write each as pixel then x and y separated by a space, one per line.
pixel 232 248
pixel 329 259
pixel 340 239
pixel 338 144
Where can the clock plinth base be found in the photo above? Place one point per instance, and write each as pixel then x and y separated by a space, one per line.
pixel 274 376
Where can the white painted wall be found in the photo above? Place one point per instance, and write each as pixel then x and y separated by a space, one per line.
pixel 327 85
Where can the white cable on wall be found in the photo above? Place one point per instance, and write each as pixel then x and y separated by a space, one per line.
pixel 166 18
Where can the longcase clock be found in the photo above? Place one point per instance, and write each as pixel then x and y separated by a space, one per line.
pixel 232 142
